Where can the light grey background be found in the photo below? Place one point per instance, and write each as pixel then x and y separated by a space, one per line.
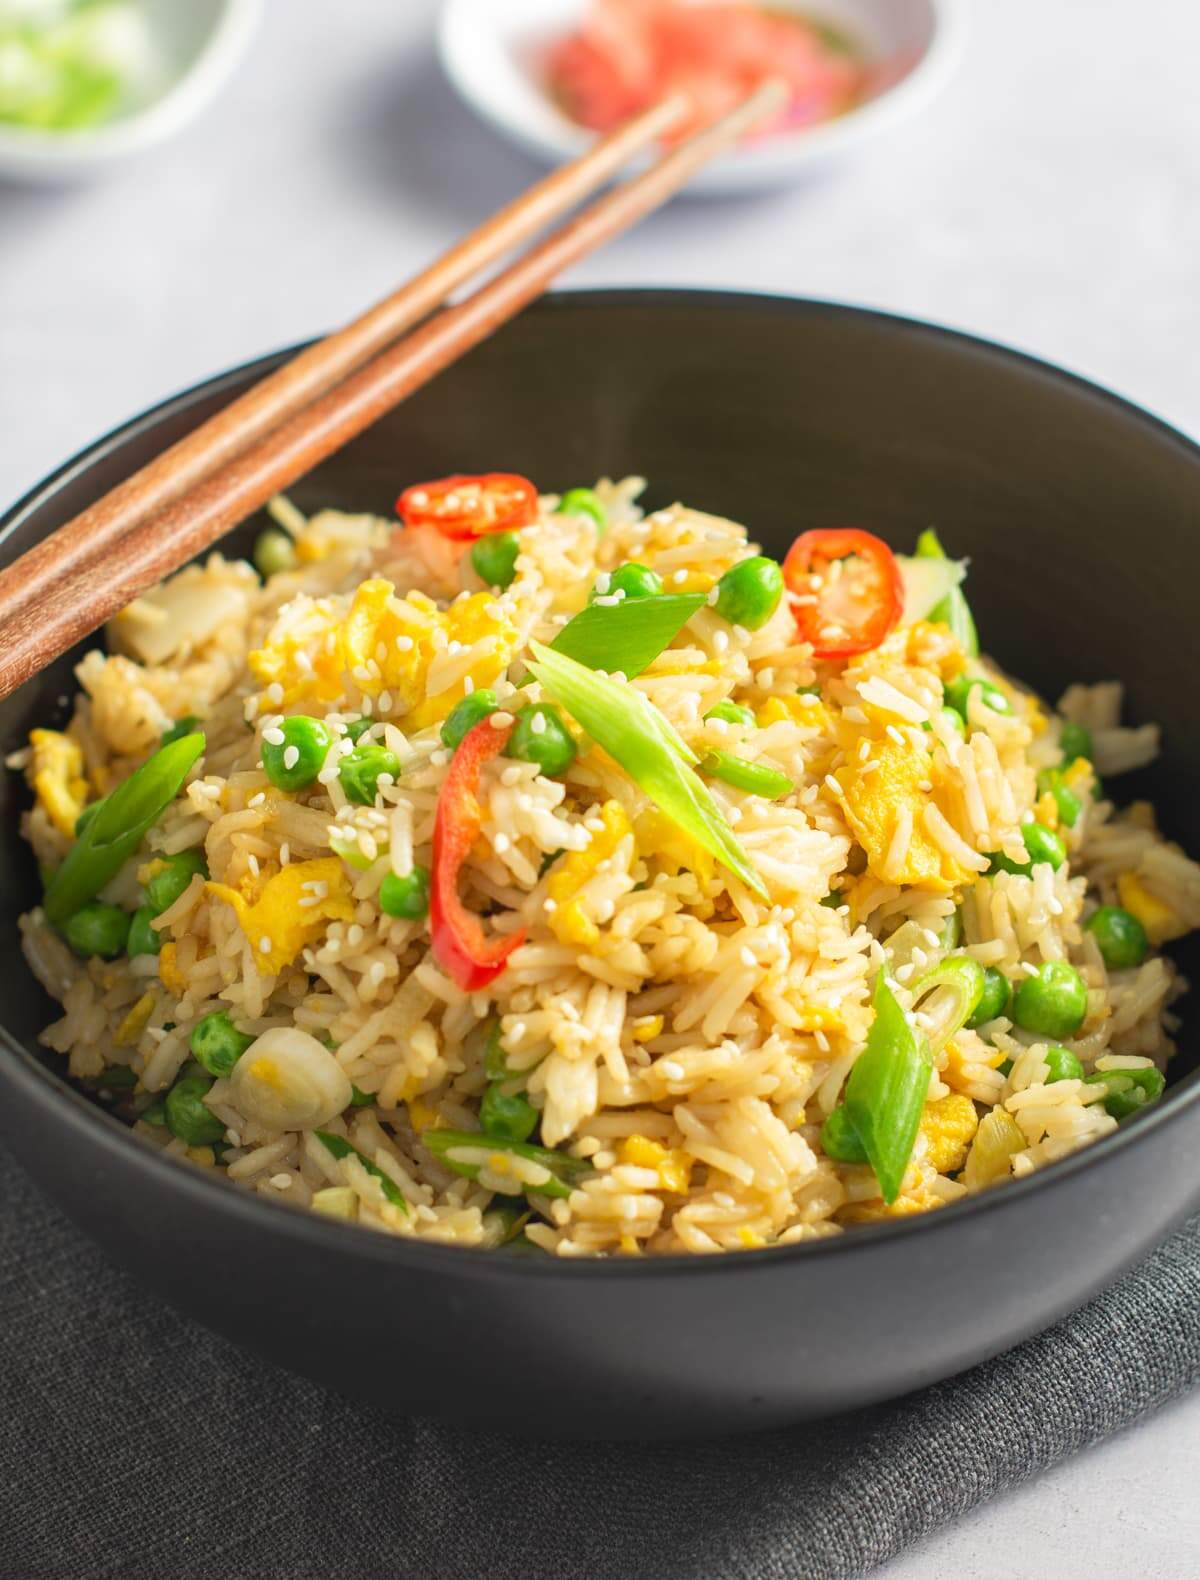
pixel 1049 199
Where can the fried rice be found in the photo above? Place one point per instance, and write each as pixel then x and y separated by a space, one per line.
pixel 679 1040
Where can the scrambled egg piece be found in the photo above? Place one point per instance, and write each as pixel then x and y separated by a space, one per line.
pixel 134 1023
pixel 568 921
pixel 169 974
pixel 817 1017
pixel 647 1027
pixel 660 839
pixel 384 643
pixel 55 775
pixel 880 1212
pixel 422 1117
pixel 873 793
pixel 1161 922
pixel 280 923
pixel 673 1167
pixel 800 709
pixel 949 1125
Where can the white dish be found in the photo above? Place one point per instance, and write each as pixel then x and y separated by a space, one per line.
pixel 489 52
pixel 192 48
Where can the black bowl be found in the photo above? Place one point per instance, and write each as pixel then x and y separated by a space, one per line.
pixel 1079 513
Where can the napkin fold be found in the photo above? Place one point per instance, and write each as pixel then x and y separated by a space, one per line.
pixel 134 1443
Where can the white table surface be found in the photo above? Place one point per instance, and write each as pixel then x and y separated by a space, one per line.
pixel 1049 200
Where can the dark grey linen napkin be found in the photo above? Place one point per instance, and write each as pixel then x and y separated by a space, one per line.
pixel 135 1444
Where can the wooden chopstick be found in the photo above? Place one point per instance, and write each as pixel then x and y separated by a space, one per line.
pixel 315 370
pixel 64 609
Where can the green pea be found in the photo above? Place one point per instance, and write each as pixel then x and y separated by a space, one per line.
pixel 176 872
pixel 958 696
pixel 97 929
pixel 511 1116
pixel 1075 741
pixel 994 1001
pixel 154 1113
pixel 359 772
pixel 840 1140
pixel 217 1043
pixel 494 558
pixel 1053 1003
pixel 407 897
pixel 540 736
pixel 143 936
pixel 86 816
pixel 1043 846
pixel 359 1098
pixel 731 712
pixel 832 900
pixel 465 715
pixel 1128 1090
pixel 1121 938
pixel 188 1116
pixel 357 728
pixel 297 759
pixel 1063 1066
pixel 632 579
pixel 179 729
pixel 584 502
pixel 749 592
pixel 1050 781
pixel 273 552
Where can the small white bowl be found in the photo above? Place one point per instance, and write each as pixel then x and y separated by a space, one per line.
pixel 489 52
pixel 193 47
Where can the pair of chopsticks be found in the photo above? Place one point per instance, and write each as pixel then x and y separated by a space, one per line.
pixel 183 501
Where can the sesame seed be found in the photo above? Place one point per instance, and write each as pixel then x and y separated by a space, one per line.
pixel 603 582
pixel 264 945
pixel 501 843
pixel 404 644
pixel 500 720
pixel 385 702
pixel 549 906
pixel 679 578
pixel 274 693
pixel 281 1181
pixel 468 685
pixel 257 800
pixel 252 863
pixel 274 737
pixel 538 724
pixel 291 757
pixel 672 1069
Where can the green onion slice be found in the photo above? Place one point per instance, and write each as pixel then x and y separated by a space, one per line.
pixel 629 635
pixel 341 1148
pixel 564 1171
pixel 886 1090
pixel 953 610
pixel 963 978
pixel 116 830
pixel 634 733
pixel 757 778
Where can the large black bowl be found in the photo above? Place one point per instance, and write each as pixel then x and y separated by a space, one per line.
pixel 1079 512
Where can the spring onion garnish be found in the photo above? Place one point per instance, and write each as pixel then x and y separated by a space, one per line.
pixel 757 778
pixel 634 733
pixel 953 609
pixel 341 1148
pixel 626 636
pixel 962 979
pixel 564 1171
pixel 886 1090
pixel 116 830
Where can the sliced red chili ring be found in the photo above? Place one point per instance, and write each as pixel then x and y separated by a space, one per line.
pixel 846 589
pixel 460 946
pixel 463 508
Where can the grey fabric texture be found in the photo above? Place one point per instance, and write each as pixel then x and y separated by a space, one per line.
pixel 134 1443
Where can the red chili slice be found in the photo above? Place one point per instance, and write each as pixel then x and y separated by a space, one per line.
pixel 459 944
pixel 846 590
pixel 462 508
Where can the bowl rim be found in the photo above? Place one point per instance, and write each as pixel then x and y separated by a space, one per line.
pixel 31 150
pixel 772 160
pixel 51 1092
